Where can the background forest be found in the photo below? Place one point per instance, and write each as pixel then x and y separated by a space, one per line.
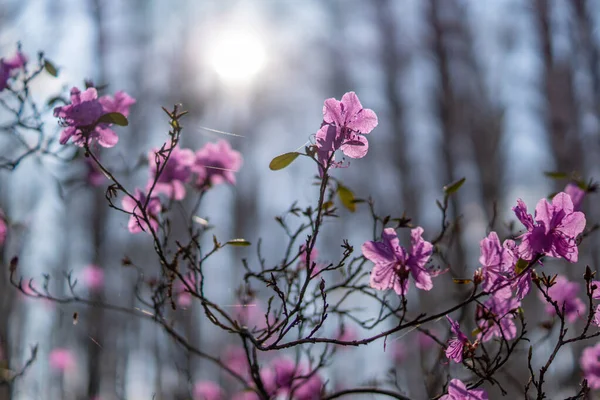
pixel 496 91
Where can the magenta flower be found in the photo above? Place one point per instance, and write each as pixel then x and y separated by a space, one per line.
pixel 564 293
pixel 454 350
pixel 208 390
pixel 120 103
pixel 236 360
pixel 554 231
pixel 497 260
pixel 216 163
pixel 175 173
pixel 590 364
pixel 344 124
pixel 596 320
pixel 399 352
pixel 8 66
pixel 95 177
pixel 93 277
pixel 61 359
pixel 284 377
pixel 457 390
pixel 577 194
pixel 80 117
pixel 496 317
pixel 136 220
pixel 393 263
pixel 3 228
pixel 184 297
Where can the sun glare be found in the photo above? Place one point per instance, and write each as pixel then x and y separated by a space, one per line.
pixel 237 56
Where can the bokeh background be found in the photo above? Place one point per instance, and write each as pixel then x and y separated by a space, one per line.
pixel 497 91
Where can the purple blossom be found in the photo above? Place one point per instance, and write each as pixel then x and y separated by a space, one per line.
pixel 208 390
pixel 120 103
pixel 596 320
pixel 344 124
pixel 285 377
pixel 8 66
pixel 81 115
pixel 61 359
pixel 590 364
pixel 497 260
pixel 554 231
pixel 393 263
pixel 577 194
pixel 564 293
pixel 93 277
pixel 216 163
pixel 458 391
pixel 454 350
pixel 175 173
pixel 594 288
pixel 95 177
pixel 3 228
pixel 495 317
pixel 136 220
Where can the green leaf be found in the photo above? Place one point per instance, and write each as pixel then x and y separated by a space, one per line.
pixel 50 68
pixel 555 174
pixel 520 266
pixel 238 242
pixel 346 197
pixel 454 186
pixel 282 161
pixel 113 118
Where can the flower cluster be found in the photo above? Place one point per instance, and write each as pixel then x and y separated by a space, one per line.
pixel 81 117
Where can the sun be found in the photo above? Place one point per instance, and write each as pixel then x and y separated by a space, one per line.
pixel 237 56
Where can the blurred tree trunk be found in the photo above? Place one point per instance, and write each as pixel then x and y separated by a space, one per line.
pixel 561 108
pixel 393 62
pixel 447 114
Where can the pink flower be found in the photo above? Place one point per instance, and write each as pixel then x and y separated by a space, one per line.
pixel 344 124
pixel 497 260
pixel 61 359
pixel 81 116
pixel 590 364
pixel 207 390
pixel 458 391
pixel 554 231
pixel 175 173
pixel 120 103
pixel 184 298
pixel 284 377
pixel 8 66
pixel 596 319
pixel 454 350
pixel 136 220
pixel 3 228
pixel 216 163
pixel 95 177
pixel 313 257
pixel 93 276
pixel 235 359
pixel 346 334
pixel 399 352
pixel 495 317
pixel 250 315
pixel 564 293
pixel 577 194
pixel 393 263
